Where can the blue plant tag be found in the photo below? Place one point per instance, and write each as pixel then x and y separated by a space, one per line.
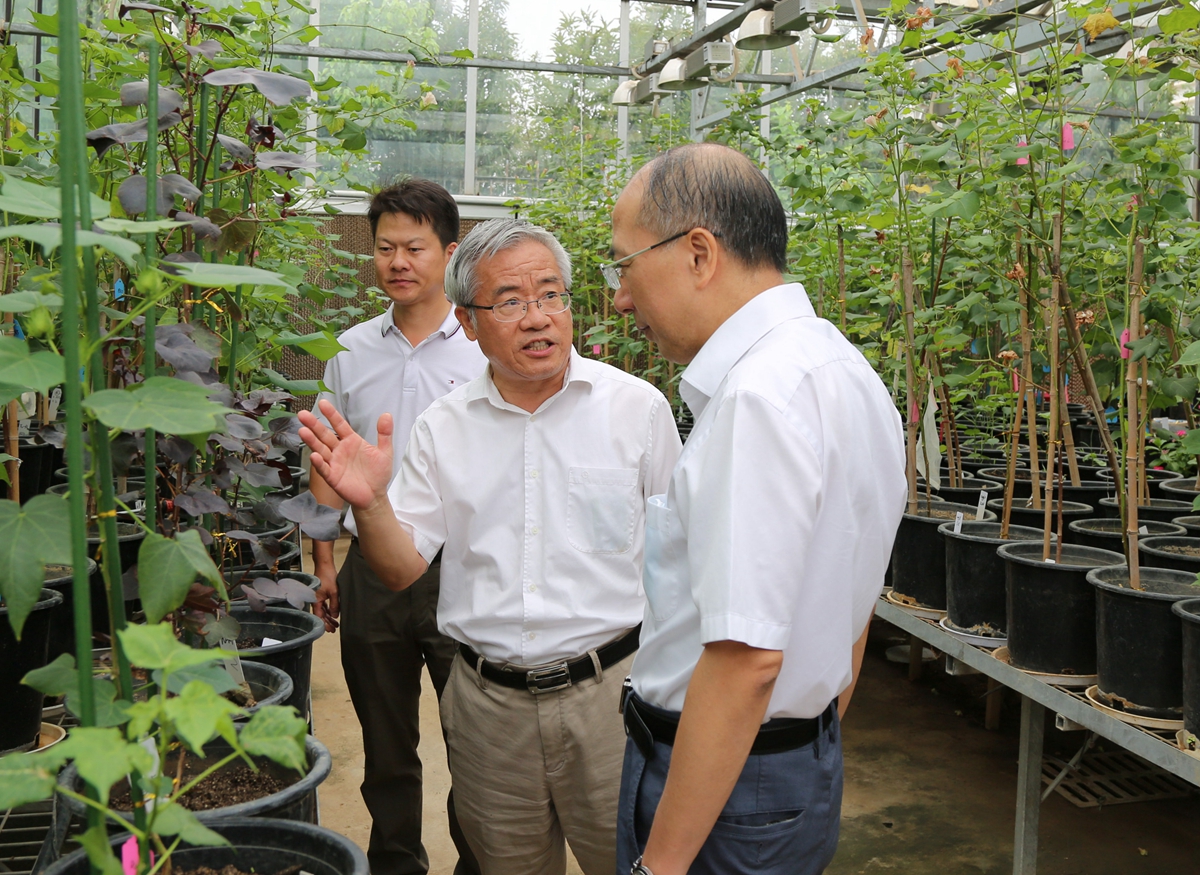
pixel 119 289
pixel 17 332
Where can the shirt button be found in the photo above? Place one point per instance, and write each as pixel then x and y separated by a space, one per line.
pixel 533 587
pixel 534 530
pixel 532 417
pixel 534 474
pixel 532 635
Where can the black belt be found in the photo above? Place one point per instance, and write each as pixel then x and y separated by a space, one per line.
pixel 646 724
pixel 560 675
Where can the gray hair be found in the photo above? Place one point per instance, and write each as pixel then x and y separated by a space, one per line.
pixel 485 240
pixel 706 185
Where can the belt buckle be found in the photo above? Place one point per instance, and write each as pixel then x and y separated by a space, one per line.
pixel 549 679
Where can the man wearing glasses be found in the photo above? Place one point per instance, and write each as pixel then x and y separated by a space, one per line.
pixel 533 481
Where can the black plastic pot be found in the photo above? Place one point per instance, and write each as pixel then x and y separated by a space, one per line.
pixel 971 463
pixel 975 586
pixel 234 581
pixel 1034 517
pixel 1052 607
pixel 34 472
pixel 270 686
pixel 1162 509
pixel 1180 489
pixel 1190 525
pixel 1139 642
pixel 296 630
pixel 21 721
pixel 1106 533
pixel 1021 485
pixel 296 802
pixel 257 844
pixel 919 553
pixel 289 560
pixel 1157 552
pixel 1087 492
pixel 239 554
pixel 968 492
pixel 62 620
pixel 1189 613
pixel 1156 479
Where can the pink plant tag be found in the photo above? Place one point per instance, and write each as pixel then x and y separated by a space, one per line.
pixel 1068 137
pixel 595 349
pixel 1124 340
pixel 129 856
pixel 1024 159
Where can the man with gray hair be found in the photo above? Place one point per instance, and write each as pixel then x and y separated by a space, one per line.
pixel 532 480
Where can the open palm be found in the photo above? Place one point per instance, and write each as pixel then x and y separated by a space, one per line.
pixel 356 470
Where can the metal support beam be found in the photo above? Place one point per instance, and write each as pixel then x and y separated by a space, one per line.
pixel 1029 787
pixel 623 111
pixel 721 27
pixel 699 98
pixel 469 185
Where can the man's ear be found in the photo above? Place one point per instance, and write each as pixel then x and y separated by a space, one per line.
pixel 704 255
pixel 463 315
pixel 450 250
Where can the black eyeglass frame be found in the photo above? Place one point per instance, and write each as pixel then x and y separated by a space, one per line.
pixel 564 296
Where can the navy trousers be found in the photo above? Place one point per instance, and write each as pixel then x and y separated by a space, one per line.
pixel 782 817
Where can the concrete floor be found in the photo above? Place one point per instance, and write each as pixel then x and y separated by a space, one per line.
pixel 928 790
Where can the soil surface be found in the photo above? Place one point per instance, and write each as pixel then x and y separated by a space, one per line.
pixel 233 870
pixel 1181 550
pixel 232 785
pixel 937 513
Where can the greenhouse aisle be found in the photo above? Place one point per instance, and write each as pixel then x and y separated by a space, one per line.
pixel 928 790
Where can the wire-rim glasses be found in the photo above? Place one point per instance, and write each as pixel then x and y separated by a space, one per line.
pixel 514 310
pixel 612 271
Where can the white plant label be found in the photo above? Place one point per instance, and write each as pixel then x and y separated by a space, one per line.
pixel 958 518
pixel 153 772
pixel 1050 562
pixel 233 664
pixel 1142 530
pixel 982 506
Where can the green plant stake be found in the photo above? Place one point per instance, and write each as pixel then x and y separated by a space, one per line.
pixel 149 355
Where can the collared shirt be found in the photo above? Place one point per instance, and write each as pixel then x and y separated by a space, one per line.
pixel 381 372
pixel 779 519
pixel 541 514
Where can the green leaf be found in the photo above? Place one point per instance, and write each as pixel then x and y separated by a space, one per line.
pixel 127 226
pixel 276 732
pixel 296 387
pixel 1191 356
pixel 214 676
pixel 154 646
pixel 163 403
pixel 167 568
pixel 224 276
pixel 26 778
pixel 321 344
pixel 49 237
pixel 962 204
pixel 5 457
pixel 461 53
pixel 110 711
pixel 32 536
pixel 41 201
pixel 934 153
pixel 1146 348
pixel 56 679
pixel 197 712
pixel 103 757
pixel 1180 388
pixel 1185 18
pixel 1191 442
pixel 38 371
pixel 173 819
pixel 99 851
pixel 23 302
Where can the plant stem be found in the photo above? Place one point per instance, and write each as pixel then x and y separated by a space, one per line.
pixel 149 356
pixel 906 280
pixel 1132 469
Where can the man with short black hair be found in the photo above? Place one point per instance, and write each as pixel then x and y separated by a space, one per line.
pixel 767 551
pixel 397 363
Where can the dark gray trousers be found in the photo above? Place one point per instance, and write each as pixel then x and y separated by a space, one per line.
pixel 386 639
pixel 782 817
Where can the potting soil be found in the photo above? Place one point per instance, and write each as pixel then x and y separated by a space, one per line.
pixel 234 870
pixel 1180 549
pixel 232 785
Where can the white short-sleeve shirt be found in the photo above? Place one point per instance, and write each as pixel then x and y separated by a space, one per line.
pixel 776 528
pixel 540 516
pixel 381 372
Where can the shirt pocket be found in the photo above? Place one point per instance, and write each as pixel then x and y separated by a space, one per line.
pixel 602 509
pixel 661 570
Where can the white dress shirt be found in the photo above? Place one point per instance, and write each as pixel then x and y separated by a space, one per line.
pixel 542 515
pixel 778 522
pixel 381 372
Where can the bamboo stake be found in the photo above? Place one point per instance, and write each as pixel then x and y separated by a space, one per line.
pixel 1144 403
pixel 149 355
pixel 1057 284
pixel 1030 398
pixel 1132 469
pixel 842 277
pixel 906 281
pixel 1068 436
pixel 1052 444
pixel 1015 445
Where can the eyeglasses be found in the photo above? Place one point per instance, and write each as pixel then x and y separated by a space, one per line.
pixel 613 270
pixel 514 310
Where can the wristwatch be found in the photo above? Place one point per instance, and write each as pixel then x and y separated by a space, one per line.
pixel 639 869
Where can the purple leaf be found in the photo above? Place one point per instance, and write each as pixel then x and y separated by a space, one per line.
pixel 198 501
pixel 275 87
pixel 208 48
pixel 318 521
pixel 237 150
pixel 124 133
pixel 137 93
pixel 243 427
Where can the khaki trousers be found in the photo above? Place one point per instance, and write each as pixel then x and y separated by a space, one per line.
pixel 531 770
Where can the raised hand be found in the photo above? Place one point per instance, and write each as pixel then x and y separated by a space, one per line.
pixel 356 470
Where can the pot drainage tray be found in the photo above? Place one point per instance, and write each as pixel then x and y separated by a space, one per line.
pixel 1094 696
pixel 1077 681
pixel 987 641
pixel 913 608
pixel 1111 778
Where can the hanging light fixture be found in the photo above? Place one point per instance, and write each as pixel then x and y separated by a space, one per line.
pixel 623 96
pixel 674 77
pixel 757 33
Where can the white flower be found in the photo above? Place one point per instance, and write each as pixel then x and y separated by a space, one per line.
pixel 428 100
